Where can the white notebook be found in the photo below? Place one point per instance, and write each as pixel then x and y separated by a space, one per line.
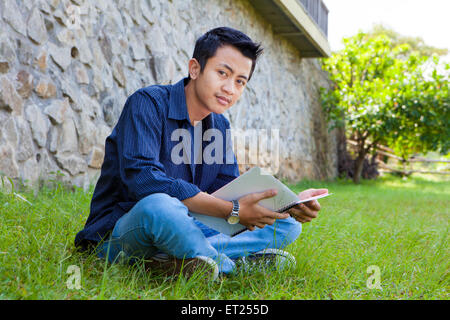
pixel 254 180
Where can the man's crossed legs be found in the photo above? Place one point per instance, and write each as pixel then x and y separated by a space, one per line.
pixel 161 223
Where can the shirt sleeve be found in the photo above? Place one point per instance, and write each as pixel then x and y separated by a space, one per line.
pixel 139 139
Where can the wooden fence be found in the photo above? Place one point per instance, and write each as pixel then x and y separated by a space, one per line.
pixel 387 152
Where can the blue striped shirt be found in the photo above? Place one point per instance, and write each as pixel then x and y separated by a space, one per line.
pixel 138 159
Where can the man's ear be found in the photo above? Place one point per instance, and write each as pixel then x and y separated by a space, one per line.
pixel 194 68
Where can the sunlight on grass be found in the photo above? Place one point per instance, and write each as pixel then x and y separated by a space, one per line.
pixel 399 226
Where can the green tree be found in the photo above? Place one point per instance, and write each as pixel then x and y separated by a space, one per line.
pixel 379 95
pixel 422 109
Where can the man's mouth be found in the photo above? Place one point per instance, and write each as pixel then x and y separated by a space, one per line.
pixel 223 100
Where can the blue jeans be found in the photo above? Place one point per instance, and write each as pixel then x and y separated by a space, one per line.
pixel 161 223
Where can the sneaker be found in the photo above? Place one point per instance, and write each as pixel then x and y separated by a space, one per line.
pixel 267 258
pixel 173 266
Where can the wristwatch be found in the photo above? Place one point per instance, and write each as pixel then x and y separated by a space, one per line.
pixel 233 218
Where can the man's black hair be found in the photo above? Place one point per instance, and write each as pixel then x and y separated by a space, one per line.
pixel 207 45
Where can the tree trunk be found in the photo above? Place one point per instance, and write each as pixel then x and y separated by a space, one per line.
pixel 359 164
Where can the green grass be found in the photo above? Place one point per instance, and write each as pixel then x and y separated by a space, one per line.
pixel 400 226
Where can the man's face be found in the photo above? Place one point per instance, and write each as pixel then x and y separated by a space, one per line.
pixel 223 79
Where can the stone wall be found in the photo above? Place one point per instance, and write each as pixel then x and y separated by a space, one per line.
pixel 67 67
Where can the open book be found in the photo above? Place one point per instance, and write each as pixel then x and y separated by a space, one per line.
pixel 254 180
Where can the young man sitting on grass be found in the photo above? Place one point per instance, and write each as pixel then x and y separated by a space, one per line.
pixel 142 201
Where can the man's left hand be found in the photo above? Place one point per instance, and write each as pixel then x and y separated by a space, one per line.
pixel 305 212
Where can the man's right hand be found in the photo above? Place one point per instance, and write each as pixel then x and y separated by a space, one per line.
pixel 251 214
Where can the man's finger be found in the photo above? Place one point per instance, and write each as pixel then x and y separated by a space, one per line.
pixel 312 193
pixel 297 214
pixel 268 221
pixel 282 215
pixel 302 210
pixel 318 192
pixel 260 225
pixel 299 218
pixel 307 211
pixel 313 204
pixel 277 215
pixel 265 194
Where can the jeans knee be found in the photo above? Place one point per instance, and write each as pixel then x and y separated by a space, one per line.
pixel 294 232
pixel 158 199
pixel 290 232
pixel 159 206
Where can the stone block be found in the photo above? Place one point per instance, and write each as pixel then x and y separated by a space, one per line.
pixel 111 111
pixel 13 16
pixel 90 106
pixel 29 172
pixel 25 146
pixel 81 75
pixel 57 110
pixel 25 81
pixel 103 131
pixel 8 165
pixel 95 158
pixel 84 50
pixel 164 69
pixel 36 27
pixel 4 67
pixel 136 43
pixel 118 73
pixel 45 89
pixel 10 100
pixel 41 60
pixel 39 124
pixel 72 163
pixel 86 129
pixel 25 51
pixel 68 139
pixel 10 133
pixel 73 94
pixel 67 37
pixel 60 55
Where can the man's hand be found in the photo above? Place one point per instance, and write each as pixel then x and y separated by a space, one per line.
pixel 305 212
pixel 251 214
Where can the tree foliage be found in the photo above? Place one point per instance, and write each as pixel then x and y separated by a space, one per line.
pixel 382 95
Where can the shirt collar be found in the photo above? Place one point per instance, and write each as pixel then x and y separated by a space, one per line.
pixel 177 102
pixel 178 106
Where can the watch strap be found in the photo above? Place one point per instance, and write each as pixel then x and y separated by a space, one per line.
pixel 235 206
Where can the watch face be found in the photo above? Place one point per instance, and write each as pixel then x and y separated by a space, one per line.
pixel 233 220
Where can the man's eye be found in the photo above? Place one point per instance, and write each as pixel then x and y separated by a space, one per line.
pixel 222 73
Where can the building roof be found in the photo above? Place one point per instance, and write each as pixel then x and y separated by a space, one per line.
pixel 303 22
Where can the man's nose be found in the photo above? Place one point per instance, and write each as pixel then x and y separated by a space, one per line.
pixel 228 87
